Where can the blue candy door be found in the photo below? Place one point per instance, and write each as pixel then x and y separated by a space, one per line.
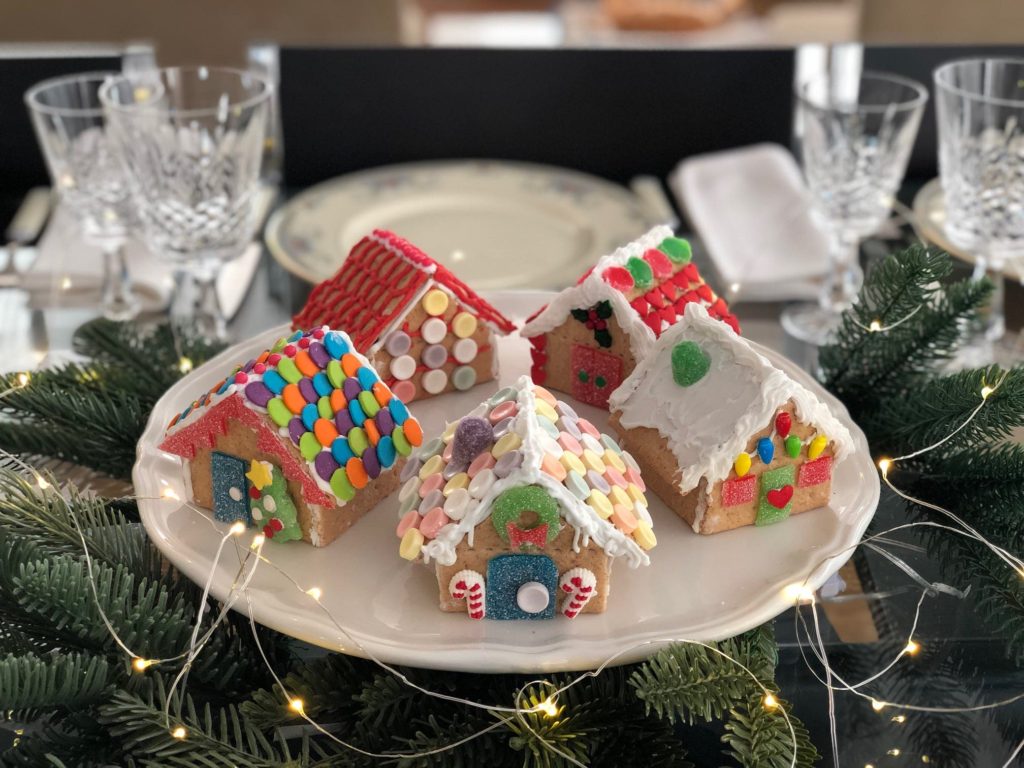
pixel 516 587
pixel 230 488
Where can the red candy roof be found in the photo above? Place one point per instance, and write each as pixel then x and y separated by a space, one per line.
pixel 373 289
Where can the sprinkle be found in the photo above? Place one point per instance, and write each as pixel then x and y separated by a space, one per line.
pixel 335 374
pixel 386 453
pixel 323 407
pixel 350 364
pixel 358 441
pixel 305 365
pixel 319 355
pixel 368 403
pixel 296 429
pixel 325 432
pixel 413 431
pixel 258 393
pixel 401 444
pixel 398 410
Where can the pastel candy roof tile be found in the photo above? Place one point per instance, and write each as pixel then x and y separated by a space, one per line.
pixel 316 404
pixel 383 276
pixel 649 283
pixel 708 422
pixel 523 436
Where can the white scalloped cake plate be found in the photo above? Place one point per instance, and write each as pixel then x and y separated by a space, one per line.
pixel 468 214
pixel 697 587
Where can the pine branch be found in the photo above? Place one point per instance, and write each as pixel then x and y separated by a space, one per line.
pixel 760 738
pixel 65 681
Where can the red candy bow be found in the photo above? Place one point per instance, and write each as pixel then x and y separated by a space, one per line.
pixel 517 537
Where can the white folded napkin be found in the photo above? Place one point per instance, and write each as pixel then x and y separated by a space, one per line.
pixel 751 210
pixel 68 272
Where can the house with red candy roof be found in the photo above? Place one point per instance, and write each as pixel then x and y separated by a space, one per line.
pixel 593 334
pixel 300 441
pixel 425 330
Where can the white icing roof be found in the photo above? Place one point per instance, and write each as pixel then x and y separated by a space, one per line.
pixel 594 288
pixel 536 442
pixel 710 422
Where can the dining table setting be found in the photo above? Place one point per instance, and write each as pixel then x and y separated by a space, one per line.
pixel 854 213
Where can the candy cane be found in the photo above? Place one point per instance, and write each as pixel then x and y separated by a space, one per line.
pixel 470 585
pixel 580 584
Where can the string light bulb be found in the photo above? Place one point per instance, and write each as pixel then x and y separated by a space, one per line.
pixel 548 707
pixel 296 705
pixel 769 701
pixel 42 482
pixel 179 732
pixel 894 752
pixel 257 540
pixel 314 592
pixel 986 391
pixel 900 719
pixel 799 593
pixel 23 379
pixel 912 647
pixel 237 528
pixel 884 465
pixel 169 493
pixel 184 364
pixel 875 326
pixel 877 705
pixel 141 665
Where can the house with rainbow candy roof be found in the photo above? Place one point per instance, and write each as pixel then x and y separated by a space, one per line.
pixel 300 441
pixel 591 336
pixel 521 506
pixel 425 330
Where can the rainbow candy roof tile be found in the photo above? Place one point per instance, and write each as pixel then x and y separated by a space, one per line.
pixel 315 391
pixel 524 436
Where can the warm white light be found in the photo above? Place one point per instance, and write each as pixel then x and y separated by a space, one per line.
pixel 314 592
pixel 185 365
pixel 901 719
pixel 877 705
pixel 169 493
pixel 986 391
pixel 769 701
pixel 875 326
pixel 548 707
pixel 257 540
pixel 179 733
pixel 42 482
pixel 912 647
pixel 799 593
pixel 894 752
pixel 65 283
pixel 296 705
pixel 884 465
pixel 24 378
pixel 734 288
pixel 142 664
pixel 237 528
pixel 925 759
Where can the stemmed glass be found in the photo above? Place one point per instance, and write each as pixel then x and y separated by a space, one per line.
pixel 857 135
pixel 980 110
pixel 72 131
pixel 191 141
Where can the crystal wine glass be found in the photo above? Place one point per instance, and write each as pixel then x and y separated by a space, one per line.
pixel 191 140
pixel 980 110
pixel 72 131
pixel 857 136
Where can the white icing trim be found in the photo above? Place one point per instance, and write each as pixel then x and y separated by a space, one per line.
pixel 577 513
pixel 594 289
pixel 710 422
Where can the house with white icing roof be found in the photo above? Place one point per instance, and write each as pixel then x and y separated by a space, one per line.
pixel 592 334
pixel 724 437
pixel 520 506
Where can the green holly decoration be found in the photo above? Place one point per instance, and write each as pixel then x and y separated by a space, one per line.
pixel 596 319
pixel 793 446
pixel 276 503
pixel 689 363
pixel 510 505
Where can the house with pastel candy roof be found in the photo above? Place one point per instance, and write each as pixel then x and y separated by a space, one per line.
pixel 724 437
pixel 425 330
pixel 521 506
pixel 300 441
pixel 589 338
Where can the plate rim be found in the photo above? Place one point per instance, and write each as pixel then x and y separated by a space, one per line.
pixel 567 652
pixel 272 228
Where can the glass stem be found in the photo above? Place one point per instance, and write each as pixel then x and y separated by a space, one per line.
pixel 994 318
pixel 196 308
pixel 844 276
pixel 118 300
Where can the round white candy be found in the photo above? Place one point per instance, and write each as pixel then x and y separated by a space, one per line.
pixel 641 513
pixel 235 493
pixel 481 483
pixel 548 444
pixel 533 597
pixel 403 367
pixel 412 486
pixel 592 443
pixel 457 503
pixel 434 381
pixel 397 343
pixel 256 514
pixel 269 504
pixel 464 350
pixel 433 330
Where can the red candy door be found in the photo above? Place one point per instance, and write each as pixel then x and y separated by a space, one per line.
pixel 596 374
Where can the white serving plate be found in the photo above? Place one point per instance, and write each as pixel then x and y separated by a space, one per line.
pixel 697 587
pixel 471 215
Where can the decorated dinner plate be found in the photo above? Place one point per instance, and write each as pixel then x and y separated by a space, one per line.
pixel 471 215
pixel 696 587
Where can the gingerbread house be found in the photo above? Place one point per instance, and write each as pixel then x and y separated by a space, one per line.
pixel 425 330
pixel 724 437
pixel 521 505
pixel 590 337
pixel 301 441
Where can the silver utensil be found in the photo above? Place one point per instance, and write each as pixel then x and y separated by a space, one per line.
pixel 25 228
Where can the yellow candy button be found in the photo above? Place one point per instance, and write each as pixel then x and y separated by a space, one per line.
pixel 571 462
pixel 545 410
pixel 412 543
pixel 460 480
pixel 431 466
pixel 636 494
pixel 507 442
pixel 643 535
pixel 612 459
pixel 592 461
pixel 816 447
pixel 463 325
pixel 449 432
pixel 742 464
pixel 435 302
pixel 600 503
pixel 619 497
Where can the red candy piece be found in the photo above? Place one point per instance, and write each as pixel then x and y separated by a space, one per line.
pixel 303 343
pixel 276 524
pixel 780 497
pixel 289 350
pixel 618 278
pixel 318 333
pixel 659 263
pixel 783 423
pixel 739 490
pixel 259 368
pixel 815 472
pixel 268 531
pixel 241 378
pixel 641 306
pixel 703 290
pixel 254 492
pixel 690 272
pixel 274 359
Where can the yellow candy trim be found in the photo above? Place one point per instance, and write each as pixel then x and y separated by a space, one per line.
pixel 619 497
pixel 613 459
pixel 463 325
pixel 644 536
pixel 592 461
pixel 816 447
pixel 742 464
pixel 571 462
pixel 435 302
pixel 636 494
pixel 412 543
pixel 431 466
pixel 545 410
pixel 507 442
pixel 600 504
pixel 460 480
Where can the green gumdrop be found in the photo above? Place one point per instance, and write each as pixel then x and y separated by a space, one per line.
pixel 341 486
pixel 279 412
pixel 309 446
pixel 643 277
pixel 513 502
pixel 677 250
pixel 689 363
pixel 793 446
